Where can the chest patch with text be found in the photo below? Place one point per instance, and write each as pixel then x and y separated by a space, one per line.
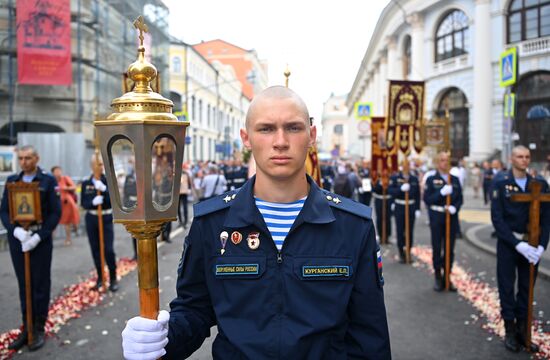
pixel 237 269
pixel 325 271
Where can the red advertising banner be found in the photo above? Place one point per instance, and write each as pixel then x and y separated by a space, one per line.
pixel 44 42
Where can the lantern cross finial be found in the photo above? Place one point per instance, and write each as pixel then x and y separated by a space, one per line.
pixel 139 24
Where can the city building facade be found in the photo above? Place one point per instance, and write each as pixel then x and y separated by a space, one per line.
pixel 455 47
pixel 103 43
pixel 250 70
pixel 342 135
pixel 210 96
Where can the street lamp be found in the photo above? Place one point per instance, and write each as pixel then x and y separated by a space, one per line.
pixel 143 132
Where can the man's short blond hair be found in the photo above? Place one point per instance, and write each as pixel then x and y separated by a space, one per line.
pixel 277 92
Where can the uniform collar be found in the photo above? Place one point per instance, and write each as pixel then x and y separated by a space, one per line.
pixel 37 177
pixel 243 211
pixel 91 178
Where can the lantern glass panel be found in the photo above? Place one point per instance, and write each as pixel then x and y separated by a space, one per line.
pixel 124 160
pixel 163 155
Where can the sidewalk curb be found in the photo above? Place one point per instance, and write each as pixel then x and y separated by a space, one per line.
pixel 472 238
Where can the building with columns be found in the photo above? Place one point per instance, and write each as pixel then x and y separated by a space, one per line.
pixel 455 47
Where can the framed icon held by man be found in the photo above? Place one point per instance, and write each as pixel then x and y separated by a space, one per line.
pixel 24 202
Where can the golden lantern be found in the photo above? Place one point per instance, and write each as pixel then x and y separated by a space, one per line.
pixel 145 139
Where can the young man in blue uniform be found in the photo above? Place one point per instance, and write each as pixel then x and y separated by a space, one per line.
pixel 400 184
pixel 511 220
pixel 95 193
pixel 435 195
pixel 38 241
pixel 282 267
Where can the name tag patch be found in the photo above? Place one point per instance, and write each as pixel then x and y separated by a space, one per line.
pixel 325 271
pixel 237 269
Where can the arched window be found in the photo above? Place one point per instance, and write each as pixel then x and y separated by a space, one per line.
pixel 528 19
pixel 452 36
pixel 532 122
pixel 454 101
pixel 176 64
pixel 407 64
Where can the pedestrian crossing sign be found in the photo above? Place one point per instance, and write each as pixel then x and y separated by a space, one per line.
pixel 363 111
pixel 508 67
pixel 510 105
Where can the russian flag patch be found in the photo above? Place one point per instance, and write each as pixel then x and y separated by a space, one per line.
pixel 379 266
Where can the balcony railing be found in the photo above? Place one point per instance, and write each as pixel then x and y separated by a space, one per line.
pixel 535 46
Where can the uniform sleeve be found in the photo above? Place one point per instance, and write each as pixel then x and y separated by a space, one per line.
pixel 52 212
pixel 544 218
pixel 367 336
pixel 456 196
pixel 85 199
pixel 5 212
pixel 497 216
pixel 106 199
pixel 191 314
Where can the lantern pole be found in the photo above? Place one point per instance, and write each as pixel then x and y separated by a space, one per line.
pixel 97 176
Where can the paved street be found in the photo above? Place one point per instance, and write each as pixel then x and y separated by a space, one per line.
pixel 423 324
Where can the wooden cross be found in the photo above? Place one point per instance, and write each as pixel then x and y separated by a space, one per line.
pixel 139 24
pixel 534 197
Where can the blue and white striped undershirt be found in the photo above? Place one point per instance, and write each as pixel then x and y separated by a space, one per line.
pixel 279 217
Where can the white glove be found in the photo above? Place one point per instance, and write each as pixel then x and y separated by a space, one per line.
pixel 98 200
pixel 446 190
pixel 31 243
pixel 392 207
pixel 451 208
pixel 528 251
pixel 21 234
pixel 144 339
pixel 405 187
pixel 417 214
pixel 539 252
pixel 99 185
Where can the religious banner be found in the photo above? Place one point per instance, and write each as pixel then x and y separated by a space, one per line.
pixel 435 134
pixel 44 42
pixel 381 159
pixel 405 114
pixel 313 168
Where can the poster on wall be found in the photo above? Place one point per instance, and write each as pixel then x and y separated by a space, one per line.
pixel 8 159
pixel 44 42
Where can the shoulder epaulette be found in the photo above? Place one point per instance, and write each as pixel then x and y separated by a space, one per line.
pixel 214 204
pixel 348 205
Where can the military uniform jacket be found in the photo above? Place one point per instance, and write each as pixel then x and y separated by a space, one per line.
pixel 50 205
pixel 432 194
pixel 320 297
pixel 394 190
pixel 509 217
pixel 487 176
pixel 89 192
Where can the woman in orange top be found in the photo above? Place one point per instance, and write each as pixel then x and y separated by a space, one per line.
pixel 69 209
